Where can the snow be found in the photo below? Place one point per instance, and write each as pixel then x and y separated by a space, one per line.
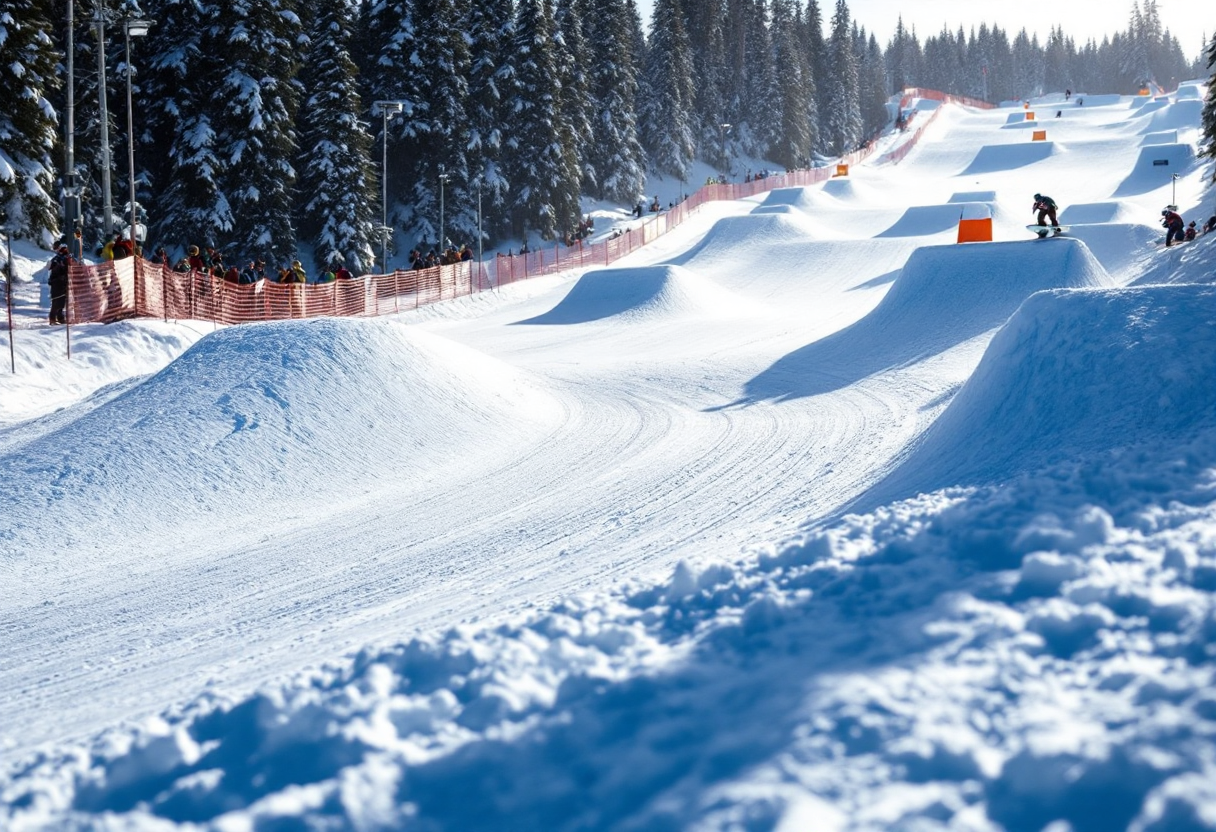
pixel 802 517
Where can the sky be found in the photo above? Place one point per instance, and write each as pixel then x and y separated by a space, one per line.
pixel 802 516
pixel 1080 19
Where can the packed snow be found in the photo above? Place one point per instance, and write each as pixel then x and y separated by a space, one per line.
pixel 802 517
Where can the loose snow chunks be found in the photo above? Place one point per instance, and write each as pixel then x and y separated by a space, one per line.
pixel 643 293
pixel 1155 168
pixel 1075 373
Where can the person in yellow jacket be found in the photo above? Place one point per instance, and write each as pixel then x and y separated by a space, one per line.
pixel 298 270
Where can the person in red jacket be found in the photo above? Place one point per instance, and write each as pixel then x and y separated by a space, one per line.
pixel 1172 221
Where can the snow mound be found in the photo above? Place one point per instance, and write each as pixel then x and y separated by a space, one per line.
pixel 737 238
pixel 973 196
pixel 1160 137
pixel 1186 114
pixel 921 220
pixel 998 157
pixel 1155 167
pixel 1094 212
pixel 1118 246
pixel 775 209
pixel 643 293
pixel 1191 92
pixel 845 188
pixel 269 412
pixel 1074 373
pixel 943 296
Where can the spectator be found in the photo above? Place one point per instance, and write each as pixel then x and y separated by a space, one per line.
pixel 1172 222
pixel 1191 231
pixel 196 260
pixel 342 273
pixel 232 275
pixel 327 276
pixel 1210 224
pixel 122 248
pixel 57 281
pixel 298 270
pixel 249 274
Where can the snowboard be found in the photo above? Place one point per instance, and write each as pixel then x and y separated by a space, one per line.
pixel 1047 230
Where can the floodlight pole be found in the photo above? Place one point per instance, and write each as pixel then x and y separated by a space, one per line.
pixel 132 28
pixel 1174 190
pixel 443 180
pixel 386 107
pixel 71 196
pixel 107 219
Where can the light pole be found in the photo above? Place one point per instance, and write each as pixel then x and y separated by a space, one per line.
pixel 1174 191
pixel 725 159
pixel 443 180
pixel 107 208
pixel 71 196
pixel 133 29
pixel 386 107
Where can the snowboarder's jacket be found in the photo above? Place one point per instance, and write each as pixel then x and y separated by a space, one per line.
pixel 1044 203
pixel 1171 219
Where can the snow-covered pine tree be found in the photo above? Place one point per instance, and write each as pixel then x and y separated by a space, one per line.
pixel 1209 106
pixel 794 87
pixel 706 20
pixel 903 57
pixel 337 182
pixel 442 64
pixel 256 133
pixel 614 152
pixel 491 32
pixel 578 108
pixel 817 58
pixel 872 79
pixel 183 112
pixel 541 165
pixel 758 83
pixel 666 98
pixel 1058 61
pixel 1028 66
pixel 842 121
pixel 27 123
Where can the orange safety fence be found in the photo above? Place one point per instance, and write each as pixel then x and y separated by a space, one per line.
pixel 135 287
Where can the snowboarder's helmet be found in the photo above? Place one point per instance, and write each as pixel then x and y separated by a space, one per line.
pixel 1164 211
pixel 1038 196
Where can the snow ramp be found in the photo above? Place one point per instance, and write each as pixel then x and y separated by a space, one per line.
pixel 1072 374
pixel 739 239
pixel 643 293
pixel 943 296
pixel 294 413
pixel 993 158
pixel 1155 168
pixel 923 220
pixel 1181 115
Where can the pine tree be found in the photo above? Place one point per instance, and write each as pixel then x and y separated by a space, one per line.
pixel 706 20
pixel 872 76
pixel 818 61
pixel 1209 105
pixel 337 183
pixel 578 109
pixel 491 33
pixel 257 137
pixel 543 172
pixel 183 112
pixel 794 89
pixel 666 97
pixel 614 153
pixel 842 121
pixel 27 123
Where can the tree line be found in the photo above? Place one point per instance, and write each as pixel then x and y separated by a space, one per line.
pixel 257 127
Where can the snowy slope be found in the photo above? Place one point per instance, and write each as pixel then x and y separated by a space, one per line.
pixel 802 518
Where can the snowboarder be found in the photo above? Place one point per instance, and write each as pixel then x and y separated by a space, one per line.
pixel 1191 231
pixel 57 282
pixel 1173 224
pixel 1046 206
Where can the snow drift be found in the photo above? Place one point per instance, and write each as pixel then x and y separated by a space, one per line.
pixel 643 293
pixel 1074 373
pixel 277 412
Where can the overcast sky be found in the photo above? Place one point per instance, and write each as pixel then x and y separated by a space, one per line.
pixel 1188 20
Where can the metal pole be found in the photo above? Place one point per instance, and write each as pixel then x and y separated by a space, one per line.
pixel 126 28
pixel 71 197
pixel 384 198
pixel 480 242
pixel 443 178
pixel 107 220
pixel 12 350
